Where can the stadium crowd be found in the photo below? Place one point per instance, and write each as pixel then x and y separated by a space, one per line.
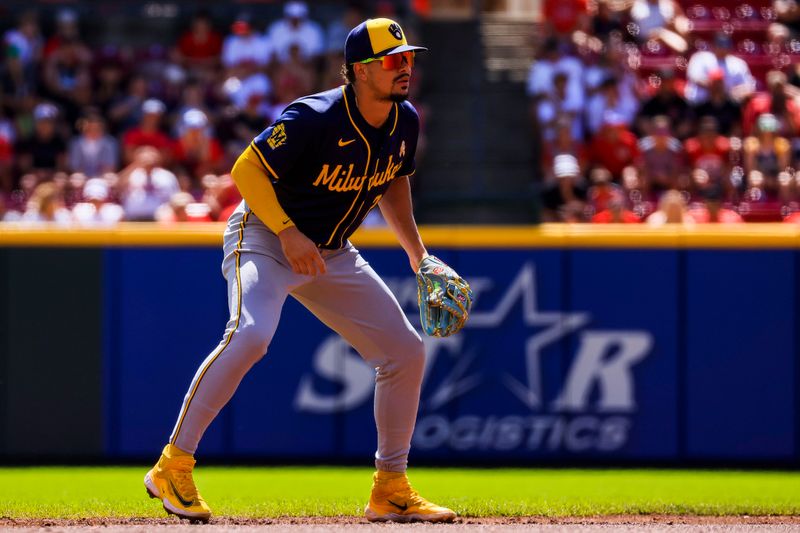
pixel 94 134
pixel 668 112
pixel 645 110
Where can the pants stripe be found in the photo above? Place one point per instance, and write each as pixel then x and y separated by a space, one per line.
pixel 237 253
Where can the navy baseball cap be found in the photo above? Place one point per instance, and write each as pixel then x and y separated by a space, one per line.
pixel 376 38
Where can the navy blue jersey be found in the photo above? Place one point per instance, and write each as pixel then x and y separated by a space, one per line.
pixel 329 167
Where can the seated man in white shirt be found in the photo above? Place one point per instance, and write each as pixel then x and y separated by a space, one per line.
pixel 244 51
pixel 95 208
pixel 739 82
pixel 145 185
pixel 296 29
pixel 246 56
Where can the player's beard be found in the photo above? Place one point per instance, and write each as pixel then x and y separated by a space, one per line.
pixel 401 96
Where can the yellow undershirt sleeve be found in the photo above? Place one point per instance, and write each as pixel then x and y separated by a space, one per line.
pixel 251 178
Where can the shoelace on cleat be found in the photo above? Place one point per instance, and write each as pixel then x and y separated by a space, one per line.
pixel 416 499
pixel 411 496
pixel 182 474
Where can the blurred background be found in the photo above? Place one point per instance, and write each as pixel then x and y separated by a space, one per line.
pixel 650 112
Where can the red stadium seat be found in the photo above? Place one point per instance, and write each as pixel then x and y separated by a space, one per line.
pixel 761 212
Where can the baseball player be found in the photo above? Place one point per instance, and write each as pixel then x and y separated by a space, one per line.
pixel 308 181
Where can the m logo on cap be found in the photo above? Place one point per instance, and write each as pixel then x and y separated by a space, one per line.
pixel 395 30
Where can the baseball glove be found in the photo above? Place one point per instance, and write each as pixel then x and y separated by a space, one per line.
pixel 444 298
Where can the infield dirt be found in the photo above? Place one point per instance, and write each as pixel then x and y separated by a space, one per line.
pixel 622 523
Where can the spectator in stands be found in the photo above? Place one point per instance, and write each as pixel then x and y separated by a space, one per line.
pixel 67 77
pixel 669 102
pixel 338 29
pixel 172 82
pixel 710 152
pixel 296 29
pixel 199 48
pixel 552 60
pixel 661 165
pixel 144 185
pixel 6 162
pixel 109 71
pixel 293 79
pixel 7 214
pixel 72 186
pixel 778 100
pixel 67 29
pixel 148 132
pixel 245 56
pixel 221 195
pixel 792 218
pixel 610 99
pixel 96 209
pixel 602 190
pixel 779 40
pixel 22 52
pixel 711 209
pixel 662 20
pixel 45 152
pixel 239 130
pixel 616 212
pixel 196 153
pixel 563 17
pixel 614 147
pixel 556 107
pixel 739 82
pixel 573 213
pixel 563 187
pixel 788 13
pixel 125 111
pixel 607 22
pixel 671 210
pixel 610 62
pixel 7 138
pixel 182 207
pixel 93 152
pixel 766 155
pixel 564 143
pixel 244 52
pixel 331 76
pixel 193 97
pixel 18 199
pixel 8 129
pixel 47 205
pixel 726 111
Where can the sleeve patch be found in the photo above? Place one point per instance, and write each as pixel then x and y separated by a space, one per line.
pixel 277 137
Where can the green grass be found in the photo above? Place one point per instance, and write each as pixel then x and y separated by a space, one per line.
pixel 322 491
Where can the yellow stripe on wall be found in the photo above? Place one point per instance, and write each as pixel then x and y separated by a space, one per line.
pixel 147 234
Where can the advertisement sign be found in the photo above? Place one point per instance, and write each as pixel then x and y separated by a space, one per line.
pixel 599 355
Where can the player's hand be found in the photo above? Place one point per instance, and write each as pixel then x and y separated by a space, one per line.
pixel 301 252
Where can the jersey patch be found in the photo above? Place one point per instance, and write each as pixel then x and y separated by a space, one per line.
pixel 277 137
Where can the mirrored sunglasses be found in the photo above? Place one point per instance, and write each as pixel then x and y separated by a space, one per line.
pixel 393 61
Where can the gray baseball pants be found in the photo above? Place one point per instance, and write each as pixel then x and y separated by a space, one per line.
pixel 349 298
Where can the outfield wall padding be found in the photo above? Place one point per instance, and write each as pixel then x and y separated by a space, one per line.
pixel 667 347
pixel 51 363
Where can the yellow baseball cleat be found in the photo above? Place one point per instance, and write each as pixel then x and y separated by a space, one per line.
pixel 171 482
pixel 393 500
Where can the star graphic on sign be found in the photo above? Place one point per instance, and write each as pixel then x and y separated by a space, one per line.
pixel 555 326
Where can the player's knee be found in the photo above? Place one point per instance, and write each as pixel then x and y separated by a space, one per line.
pixel 252 342
pixel 412 352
